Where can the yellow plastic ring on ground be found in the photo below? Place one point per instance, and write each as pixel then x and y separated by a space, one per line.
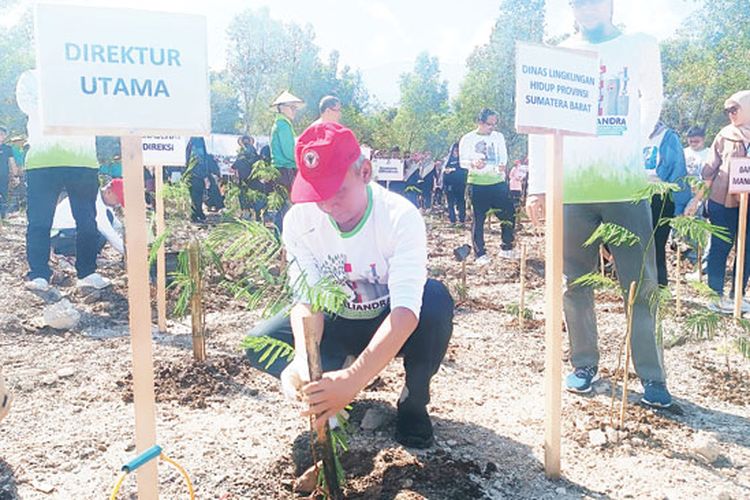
pixel 171 462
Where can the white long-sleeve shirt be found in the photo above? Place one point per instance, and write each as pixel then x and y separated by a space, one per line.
pixel 609 167
pixel 64 220
pixel 379 264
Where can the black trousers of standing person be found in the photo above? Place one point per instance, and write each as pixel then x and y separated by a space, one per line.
pixel 456 194
pixel 44 186
pixel 494 197
pixel 4 191
pixel 661 208
pixel 422 353
pixel 197 188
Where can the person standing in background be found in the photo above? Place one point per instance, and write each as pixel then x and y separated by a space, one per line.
pixel 603 175
pixel 454 178
pixel 8 169
pixel 54 164
pixel 483 153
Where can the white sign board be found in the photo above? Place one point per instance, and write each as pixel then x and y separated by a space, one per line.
pixel 121 71
pixel 388 169
pixel 164 150
pixel 556 90
pixel 739 175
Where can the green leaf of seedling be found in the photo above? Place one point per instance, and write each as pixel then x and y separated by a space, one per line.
pixel 597 282
pixel 662 189
pixel 613 235
pixel 703 324
pixel 694 229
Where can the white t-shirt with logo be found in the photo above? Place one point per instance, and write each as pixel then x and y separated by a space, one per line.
pixel 489 148
pixel 379 264
pixel 609 167
pixel 694 160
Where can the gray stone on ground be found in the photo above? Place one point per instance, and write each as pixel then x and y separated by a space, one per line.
pixel 372 420
pixel 61 316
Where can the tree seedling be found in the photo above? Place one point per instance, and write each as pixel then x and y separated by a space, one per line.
pixel 461 254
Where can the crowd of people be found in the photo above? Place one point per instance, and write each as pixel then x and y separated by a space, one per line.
pixel 340 227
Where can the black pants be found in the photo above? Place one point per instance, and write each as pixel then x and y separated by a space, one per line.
pixel 4 201
pixel 64 242
pixel 495 197
pixel 661 208
pixel 215 198
pixel 423 351
pixel 44 187
pixel 197 188
pixel 456 194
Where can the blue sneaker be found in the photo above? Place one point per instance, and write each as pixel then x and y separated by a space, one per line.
pixel 581 380
pixel 655 394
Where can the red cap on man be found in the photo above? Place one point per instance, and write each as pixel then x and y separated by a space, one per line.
pixel 324 153
pixel 117 188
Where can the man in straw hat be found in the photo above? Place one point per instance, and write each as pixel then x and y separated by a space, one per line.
pixel 282 144
pixel 282 137
pixel 372 245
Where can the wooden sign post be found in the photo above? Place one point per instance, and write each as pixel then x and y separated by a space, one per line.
pixel 135 73
pixel 161 263
pixel 139 306
pixel 544 107
pixel 739 183
pixel 159 151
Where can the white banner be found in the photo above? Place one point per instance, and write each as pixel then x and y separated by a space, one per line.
pixel 556 89
pixel 164 150
pixel 121 71
pixel 388 169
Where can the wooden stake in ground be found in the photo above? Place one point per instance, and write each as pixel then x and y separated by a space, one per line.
pixel 139 307
pixel 626 368
pixel 678 282
pixel 463 274
pixel 161 263
pixel 312 345
pixel 196 301
pixel 522 299
pixel 554 307
pixel 699 263
pixel 601 260
pixel 739 292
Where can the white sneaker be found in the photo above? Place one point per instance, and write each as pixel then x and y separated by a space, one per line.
pixel 724 305
pixel 511 254
pixel 693 276
pixel 93 280
pixel 483 260
pixel 37 285
pixel 745 307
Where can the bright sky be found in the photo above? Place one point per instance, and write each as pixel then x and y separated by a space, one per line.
pixel 383 37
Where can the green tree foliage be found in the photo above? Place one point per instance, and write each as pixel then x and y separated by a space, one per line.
pixel 490 80
pixel 706 62
pixel 225 106
pixel 266 56
pixel 16 56
pixel 420 120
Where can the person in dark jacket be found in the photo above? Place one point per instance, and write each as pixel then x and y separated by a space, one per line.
pixel 665 162
pixel 197 172
pixel 454 182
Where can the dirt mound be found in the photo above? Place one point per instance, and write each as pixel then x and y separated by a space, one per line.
pixel 394 472
pixel 194 384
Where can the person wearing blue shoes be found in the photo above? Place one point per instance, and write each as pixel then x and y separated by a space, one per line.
pixel 603 175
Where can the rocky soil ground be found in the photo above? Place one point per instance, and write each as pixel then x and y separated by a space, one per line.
pixel 71 427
